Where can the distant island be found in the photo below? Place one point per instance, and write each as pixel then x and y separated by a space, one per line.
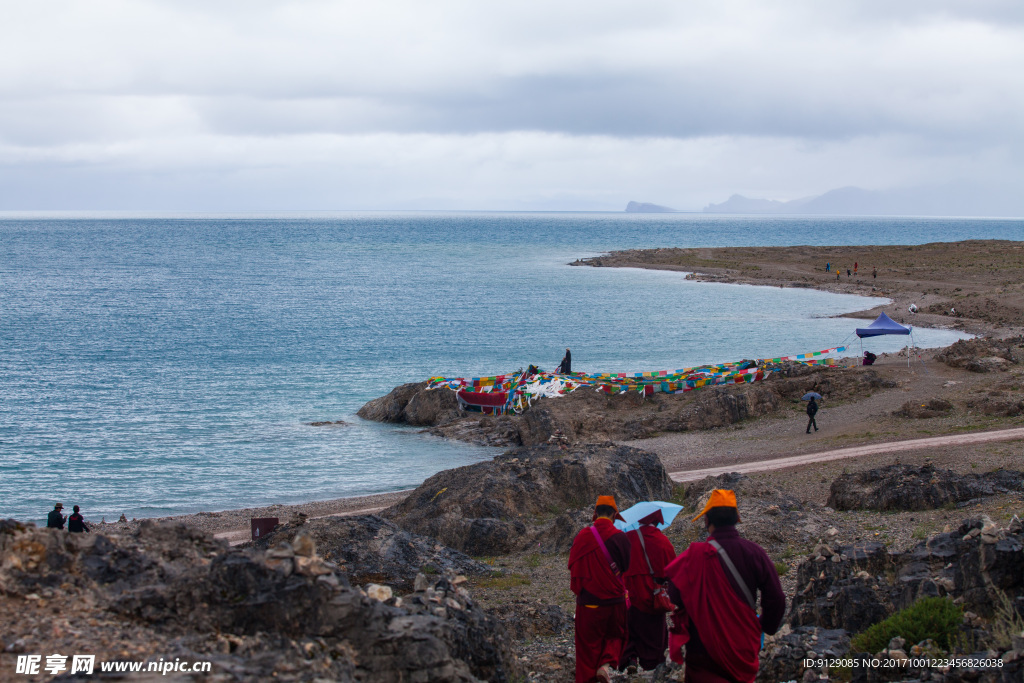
pixel 856 201
pixel 646 207
pixel 937 200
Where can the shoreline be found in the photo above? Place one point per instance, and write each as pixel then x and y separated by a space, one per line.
pixel 960 274
pixel 795 267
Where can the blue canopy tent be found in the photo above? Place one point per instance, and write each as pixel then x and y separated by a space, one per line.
pixel 885 325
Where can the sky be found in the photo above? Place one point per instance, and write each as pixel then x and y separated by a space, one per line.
pixel 465 105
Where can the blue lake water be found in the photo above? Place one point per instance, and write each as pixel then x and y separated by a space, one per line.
pixel 155 366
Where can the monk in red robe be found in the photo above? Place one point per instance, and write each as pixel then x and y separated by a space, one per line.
pixel 715 586
pixel 598 559
pixel 648 630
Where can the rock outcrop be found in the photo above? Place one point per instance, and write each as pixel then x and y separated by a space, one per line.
pixel 412 404
pixel 370 549
pixel 292 614
pixel 852 587
pixel 913 487
pixel 848 588
pixel 529 497
pixel 587 416
pixel 982 354
pixel 936 407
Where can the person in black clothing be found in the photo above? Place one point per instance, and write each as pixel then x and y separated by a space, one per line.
pixel 76 523
pixel 812 410
pixel 566 366
pixel 55 520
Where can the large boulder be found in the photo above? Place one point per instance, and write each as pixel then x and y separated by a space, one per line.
pixel 917 487
pixel 293 615
pixel 391 408
pixel 528 497
pixel 370 549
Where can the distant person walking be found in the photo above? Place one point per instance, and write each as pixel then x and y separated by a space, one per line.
pixel 715 585
pixel 76 523
pixel 600 555
pixel 874 273
pixel 565 367
pixel 55 520
pixel 812 410
pixel 828 267
pixel 847 272
pixel 854 267
pixel 650 552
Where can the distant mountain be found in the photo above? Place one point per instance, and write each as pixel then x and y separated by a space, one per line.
pixel 855 201
pixel 644 207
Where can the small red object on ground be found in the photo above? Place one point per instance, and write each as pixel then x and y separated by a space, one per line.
pixel 261 526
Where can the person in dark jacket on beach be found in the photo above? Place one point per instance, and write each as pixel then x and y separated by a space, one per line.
pixel 599 557
pixel 716 598
pixel 812 410
pixel 566 365
pixel 55 520
pixel 76 522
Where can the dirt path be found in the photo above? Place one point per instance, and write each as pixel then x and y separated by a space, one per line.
pixel 856 451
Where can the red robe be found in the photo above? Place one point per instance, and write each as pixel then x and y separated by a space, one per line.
pixel 648 632
pixel 728 627
pixel 600 603
pixel 638 578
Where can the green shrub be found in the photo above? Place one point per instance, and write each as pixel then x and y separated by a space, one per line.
pixel 781 568
pixel 935 618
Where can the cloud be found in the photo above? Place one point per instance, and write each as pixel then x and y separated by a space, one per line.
pixel 788 98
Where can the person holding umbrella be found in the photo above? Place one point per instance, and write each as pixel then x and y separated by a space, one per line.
pixel 648 633
pixel 812 409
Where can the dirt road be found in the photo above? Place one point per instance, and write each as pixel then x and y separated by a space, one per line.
pixel 853 452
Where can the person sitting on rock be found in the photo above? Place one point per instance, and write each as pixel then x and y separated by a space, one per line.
pixel 76 522
pixel 869 358
pixel 714 586
pixel 648 633
pixel 55 520
pixel 599 557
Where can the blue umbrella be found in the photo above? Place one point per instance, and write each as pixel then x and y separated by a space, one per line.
pixel 634 514
pixel 811 394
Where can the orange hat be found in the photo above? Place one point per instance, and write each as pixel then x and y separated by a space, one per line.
pixel 609 501
pixel 720 498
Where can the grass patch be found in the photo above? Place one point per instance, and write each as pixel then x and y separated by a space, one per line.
pixel 920 533
pixel 504 582
pixel 935 618
pixel 1007 622
pixel 781 568
pixel 533 560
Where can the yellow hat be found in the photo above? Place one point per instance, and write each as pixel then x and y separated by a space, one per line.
pixel 610 502
pixel 720 498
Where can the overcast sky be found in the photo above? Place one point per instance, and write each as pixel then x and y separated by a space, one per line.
pixel 198 105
